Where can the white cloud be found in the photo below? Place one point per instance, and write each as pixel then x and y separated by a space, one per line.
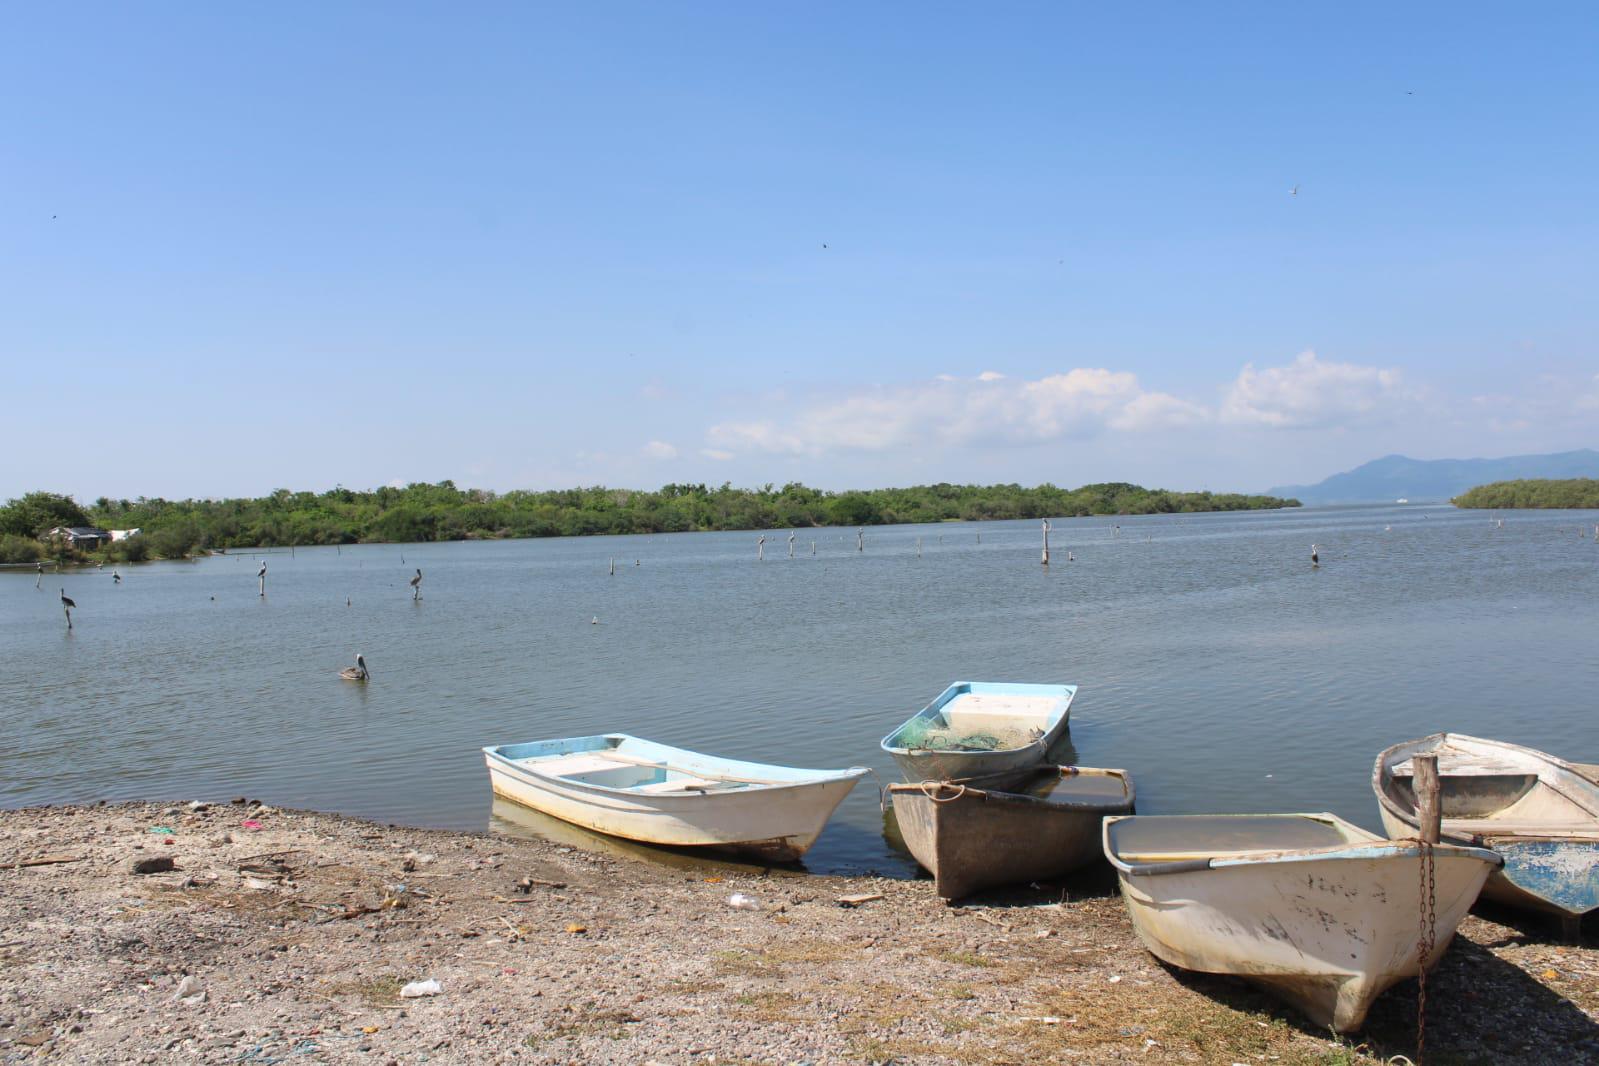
pixel 659 449
pixel 716 453
pixel 990 408
pixel 1312 393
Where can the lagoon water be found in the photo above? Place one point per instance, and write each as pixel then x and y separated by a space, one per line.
pixel 1215 664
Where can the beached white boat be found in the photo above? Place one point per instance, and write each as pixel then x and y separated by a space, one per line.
pixel 1316 910
pixel 981 728
pixel 650 792
pixel 1539 812
pixel 989 831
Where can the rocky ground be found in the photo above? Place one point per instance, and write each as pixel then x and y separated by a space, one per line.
pixel 287 937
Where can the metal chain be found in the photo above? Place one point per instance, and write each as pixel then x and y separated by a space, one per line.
pixel 1427 902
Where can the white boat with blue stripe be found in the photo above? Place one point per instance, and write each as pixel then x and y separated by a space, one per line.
pixel 980 728
pixel 657 794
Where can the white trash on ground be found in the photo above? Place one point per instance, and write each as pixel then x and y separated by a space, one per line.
pixel 430 987
pixel 740 902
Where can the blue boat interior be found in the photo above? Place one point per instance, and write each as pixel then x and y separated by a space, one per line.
pixel 984 716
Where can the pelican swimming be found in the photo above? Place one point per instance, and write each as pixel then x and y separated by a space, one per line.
pixel 416 585
pixel 594 621
pixel 358 672
pixel 67 604
pixel 1315 558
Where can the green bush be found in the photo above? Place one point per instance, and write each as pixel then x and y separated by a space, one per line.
pixel 15 549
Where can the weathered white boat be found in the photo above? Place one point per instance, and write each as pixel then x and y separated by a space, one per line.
pixel 650 792
pixel 981 728
pixel 1318 911
pixel 1539 812
pixel 989 831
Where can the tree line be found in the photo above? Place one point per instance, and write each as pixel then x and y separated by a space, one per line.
pixel 436 512
pixel 1577 492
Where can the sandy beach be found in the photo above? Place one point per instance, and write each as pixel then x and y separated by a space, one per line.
pixel 287 936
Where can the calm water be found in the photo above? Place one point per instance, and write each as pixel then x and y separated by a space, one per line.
pixel 1215 664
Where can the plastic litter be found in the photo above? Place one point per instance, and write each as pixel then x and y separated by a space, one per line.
pixel 740 902
pixel 249 823
pixel 430 987
pixel 160 830
pixel 190 990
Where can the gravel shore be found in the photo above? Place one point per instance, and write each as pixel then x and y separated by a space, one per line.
pixel 287 936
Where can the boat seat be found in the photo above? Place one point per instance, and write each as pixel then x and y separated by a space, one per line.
pixel 570 765
pixel 685 784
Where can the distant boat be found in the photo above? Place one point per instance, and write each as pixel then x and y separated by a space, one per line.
pixel 1401 500
pixel 981 728
pixel 1320 912
pixel 1541 813
pixel 990 831
pixel 657 794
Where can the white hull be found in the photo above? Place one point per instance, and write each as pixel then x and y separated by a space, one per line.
pixel 1328 930
pixel 779 823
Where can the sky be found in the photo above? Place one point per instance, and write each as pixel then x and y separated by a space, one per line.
pixel 517 245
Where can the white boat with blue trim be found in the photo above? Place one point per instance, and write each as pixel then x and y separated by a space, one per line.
pixel 657 794
pixel 981 728
pixel 1318 911
pixel 1541 813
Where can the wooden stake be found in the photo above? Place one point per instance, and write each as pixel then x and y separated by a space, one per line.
pixel 1429 806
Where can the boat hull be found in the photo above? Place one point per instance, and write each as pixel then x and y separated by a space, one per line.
pixel 777 824
pixel 1327 930
pixel 971 839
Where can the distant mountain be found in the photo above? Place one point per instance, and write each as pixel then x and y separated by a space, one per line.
pixel 1396 477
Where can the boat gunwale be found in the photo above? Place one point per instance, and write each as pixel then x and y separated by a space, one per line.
pixel 1372 848
pixel 1086 805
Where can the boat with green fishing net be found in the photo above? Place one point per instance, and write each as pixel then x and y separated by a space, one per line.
pixel 979 728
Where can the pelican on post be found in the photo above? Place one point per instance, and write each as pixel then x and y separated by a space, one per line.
pixel 358 672
pixel 1315 557
pixel 261 576
pixel 67 603
pixel 416 585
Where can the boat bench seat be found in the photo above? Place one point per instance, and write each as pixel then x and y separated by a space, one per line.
pixel 1496 827
pixel 683 784
pixel 569 765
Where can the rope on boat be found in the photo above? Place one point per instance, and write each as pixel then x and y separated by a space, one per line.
pixel 882 789
pixel 939 786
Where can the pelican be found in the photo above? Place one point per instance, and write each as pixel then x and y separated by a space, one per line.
pixel 594 621
pixel 261 576
pixel 66 605
pixel 116 578
pixel 358 672
pixel 1315 558
pixel 416 585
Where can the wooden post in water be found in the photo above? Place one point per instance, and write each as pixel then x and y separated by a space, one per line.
pixel 613 566
pixel 1429 805
pixel 791 544
pixel 1046 542
pixel 918 547
pixel 813 547
pixel 760 549
pixel 860 540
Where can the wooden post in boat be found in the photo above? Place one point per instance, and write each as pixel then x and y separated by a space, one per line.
pixel 1429 808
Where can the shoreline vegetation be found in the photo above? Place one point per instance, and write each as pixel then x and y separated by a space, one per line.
pixel 176 529
pixel 1578 493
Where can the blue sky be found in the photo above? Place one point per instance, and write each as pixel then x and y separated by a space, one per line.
pixel 532 246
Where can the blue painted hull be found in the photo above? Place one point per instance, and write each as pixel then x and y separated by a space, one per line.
pixel 1558 876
